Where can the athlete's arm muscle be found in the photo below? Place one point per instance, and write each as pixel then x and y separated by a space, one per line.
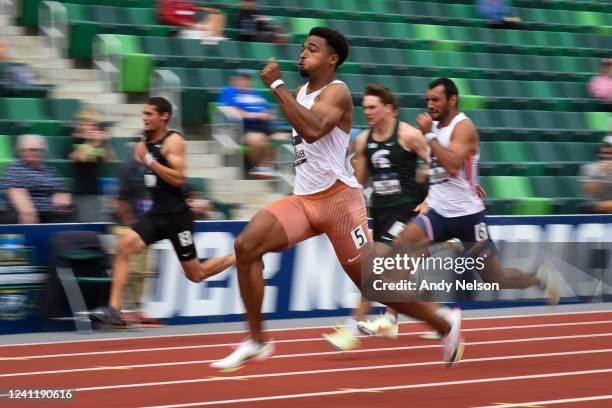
pixel 412 138
pixel 464 142
pixel 361 162
pixel 326 113
pixel 174 151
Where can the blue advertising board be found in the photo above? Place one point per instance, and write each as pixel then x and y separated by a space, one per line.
pixel 305 281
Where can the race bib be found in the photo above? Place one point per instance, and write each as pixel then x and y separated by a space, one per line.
pixel 386 184
pixel 299 154
pixel 437 174
pixel 150 180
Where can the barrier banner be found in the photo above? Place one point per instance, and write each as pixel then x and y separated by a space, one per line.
pixel 308 281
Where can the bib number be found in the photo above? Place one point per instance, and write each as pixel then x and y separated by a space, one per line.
pixel 150 180
pixel 480 232
pixel 299 154
pixel 185 238
pixel 387 184
pixel 359 237
pixel 437 174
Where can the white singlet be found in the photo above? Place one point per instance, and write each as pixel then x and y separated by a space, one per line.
pixel 318 165
pixel 453 196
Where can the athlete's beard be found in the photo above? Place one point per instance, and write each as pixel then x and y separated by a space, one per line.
pixel 148 134
pixel 443 115
pixel 304 73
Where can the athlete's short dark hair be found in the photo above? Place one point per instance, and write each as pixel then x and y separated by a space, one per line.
pixel 450 88
pixel 383 93
pixel 161 105
pixel 335 40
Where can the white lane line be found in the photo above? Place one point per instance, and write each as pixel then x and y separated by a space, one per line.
pixel 159 336
pixel 391 388
pixel 550 402
pixel 311 354
pixel 203 346
pixel 300 355
pixel 327 371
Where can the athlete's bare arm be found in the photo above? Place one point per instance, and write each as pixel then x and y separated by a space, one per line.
pixel 412 139
pixel 174 152
pixel 464 142
pixel 328 111
pixel 361 163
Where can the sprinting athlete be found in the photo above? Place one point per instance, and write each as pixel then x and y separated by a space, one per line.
pixel 455 208
pixel 387 153
pixel 162 151
pixel 327 198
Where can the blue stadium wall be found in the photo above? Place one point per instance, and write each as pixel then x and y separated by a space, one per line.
pixel 306 281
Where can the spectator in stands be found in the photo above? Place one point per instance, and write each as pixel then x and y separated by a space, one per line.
pixel 13 75
pixel 90 148
pixel 4 54
pixel 182 13
pixel 258 118
pixel 600 86
pixel 597 179
pixel 498 13
pixel 35 190
pixel 257 27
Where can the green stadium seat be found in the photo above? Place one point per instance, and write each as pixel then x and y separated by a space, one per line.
pixel 58 147
pixel 197 184
pixel 601 121
pixel 7 151
pixel 519 191
pixel 82 31
pixel 121 147
pixel 28 116
pixel 144 21
pixel 63 109
pixel 301 25
pixel 136 67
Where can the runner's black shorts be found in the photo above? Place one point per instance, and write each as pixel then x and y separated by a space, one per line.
pixel 177 227
pixel 389 222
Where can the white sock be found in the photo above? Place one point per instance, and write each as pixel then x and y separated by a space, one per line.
pixel 443 312
pixel 391 317
pixel 351 325
pixel 541 275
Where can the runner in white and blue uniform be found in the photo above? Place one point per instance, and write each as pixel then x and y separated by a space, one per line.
pixel 454 207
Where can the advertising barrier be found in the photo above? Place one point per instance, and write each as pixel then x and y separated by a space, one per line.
pixel 305 281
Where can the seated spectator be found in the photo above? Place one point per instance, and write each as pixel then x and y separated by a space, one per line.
pixel 35 190
pixel 256 27
pixel 258 118
pixel 13 75
pixel 498 14
pixel 182 13
pixel 600 86
pixel 90 147
pixel 597 179
pixel 4 54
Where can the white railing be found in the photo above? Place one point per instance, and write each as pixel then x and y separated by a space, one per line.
pixel 106 58
pixel 53 24
pixel 167 84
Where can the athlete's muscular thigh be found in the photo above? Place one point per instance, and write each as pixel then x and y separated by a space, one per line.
pixel 264 233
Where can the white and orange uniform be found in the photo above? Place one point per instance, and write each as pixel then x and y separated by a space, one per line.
pixel 327 198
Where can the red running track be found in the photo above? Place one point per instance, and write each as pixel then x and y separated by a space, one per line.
pixel 540 360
